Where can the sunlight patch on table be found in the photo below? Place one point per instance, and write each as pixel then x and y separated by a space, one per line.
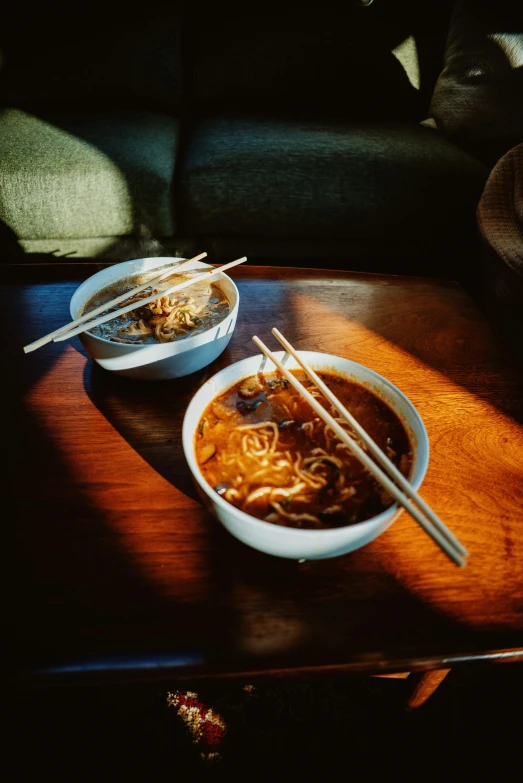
pixel 468 491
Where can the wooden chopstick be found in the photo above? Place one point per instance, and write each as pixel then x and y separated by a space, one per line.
pixel 443 542
pixel 109 316
pixel 128 295
pixel 372 446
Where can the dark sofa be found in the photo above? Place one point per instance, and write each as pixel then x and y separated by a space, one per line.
pixel 281 131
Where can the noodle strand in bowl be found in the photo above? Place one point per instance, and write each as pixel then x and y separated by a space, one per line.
pixel 168 318
pixel 261 446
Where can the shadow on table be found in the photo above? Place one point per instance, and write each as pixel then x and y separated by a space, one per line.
pixel 80 593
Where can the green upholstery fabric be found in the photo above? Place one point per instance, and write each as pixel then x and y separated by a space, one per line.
pixel 79 176
pixel 108 248
pixel 341 58
pixel 271 178
pixel 99 55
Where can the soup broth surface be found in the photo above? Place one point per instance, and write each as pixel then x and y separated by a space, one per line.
pixel 171 317
pixel 264 449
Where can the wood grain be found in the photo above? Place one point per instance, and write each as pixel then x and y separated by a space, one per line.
pixel 119 567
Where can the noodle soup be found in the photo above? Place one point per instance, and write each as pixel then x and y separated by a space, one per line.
pixel 171 317
pixel 155 360
pixel 262 448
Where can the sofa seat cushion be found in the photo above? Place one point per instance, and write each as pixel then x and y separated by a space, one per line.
pixel 246 177
pixel 86 176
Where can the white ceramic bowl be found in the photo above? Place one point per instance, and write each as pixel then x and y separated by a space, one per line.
pixel 291 542
pixel 158 361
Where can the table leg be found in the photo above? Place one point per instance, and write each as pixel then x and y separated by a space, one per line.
pixel 425 687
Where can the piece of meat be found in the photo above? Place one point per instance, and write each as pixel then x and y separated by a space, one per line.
pixel 251 386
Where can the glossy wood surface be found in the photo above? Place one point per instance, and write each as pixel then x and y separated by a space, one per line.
pixel 117 566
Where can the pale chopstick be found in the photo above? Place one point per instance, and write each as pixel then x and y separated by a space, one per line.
pixel 373 446
pixel 364 458
pixel 128 295
pixel 109 316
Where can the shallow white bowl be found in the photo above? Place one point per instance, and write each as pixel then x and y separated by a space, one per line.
pixel 291 542
pixel 158 361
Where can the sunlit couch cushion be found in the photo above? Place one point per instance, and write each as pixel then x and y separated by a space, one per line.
pixel 86 175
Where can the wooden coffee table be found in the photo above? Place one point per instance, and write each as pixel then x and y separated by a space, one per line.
pixel 119 571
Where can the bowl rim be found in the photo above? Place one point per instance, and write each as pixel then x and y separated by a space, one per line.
pixel 299 533
pixel 132 346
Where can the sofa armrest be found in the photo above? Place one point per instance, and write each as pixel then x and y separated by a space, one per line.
pixel 500 223
pixel 477 101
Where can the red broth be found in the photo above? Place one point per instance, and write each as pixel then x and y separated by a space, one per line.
pixel 265 450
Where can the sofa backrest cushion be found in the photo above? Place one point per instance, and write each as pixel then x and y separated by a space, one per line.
pixel 346 58
pixel 58 54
